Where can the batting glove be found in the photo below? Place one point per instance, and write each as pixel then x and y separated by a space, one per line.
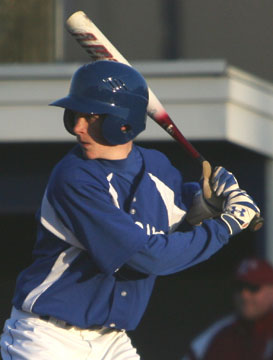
pixel 239 210
pixel 202 209
pixel 222 182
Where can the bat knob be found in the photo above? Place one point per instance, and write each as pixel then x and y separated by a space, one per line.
pixel 256 223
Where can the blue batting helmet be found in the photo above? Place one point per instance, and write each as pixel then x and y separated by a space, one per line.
pixel 111 88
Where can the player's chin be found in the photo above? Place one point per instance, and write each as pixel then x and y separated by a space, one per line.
pixel 87 152
pixel 89 155
pixel 249 312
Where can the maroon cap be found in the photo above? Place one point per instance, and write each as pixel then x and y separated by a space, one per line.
pixel 255 271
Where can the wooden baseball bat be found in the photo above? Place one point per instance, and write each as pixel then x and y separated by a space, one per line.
pixel 100 48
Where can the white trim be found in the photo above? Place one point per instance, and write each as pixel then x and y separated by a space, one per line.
pixel 52 223
pixel 112 191
pixel 61 264
pixel 175 214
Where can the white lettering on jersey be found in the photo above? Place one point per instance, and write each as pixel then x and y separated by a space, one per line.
pixel 139 224
pixel 149 230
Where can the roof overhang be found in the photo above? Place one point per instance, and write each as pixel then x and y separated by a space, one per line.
pixel 207 100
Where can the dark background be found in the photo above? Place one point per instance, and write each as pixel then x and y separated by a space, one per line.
pixel 182 304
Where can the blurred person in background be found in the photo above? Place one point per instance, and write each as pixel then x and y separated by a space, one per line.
pixel 247 334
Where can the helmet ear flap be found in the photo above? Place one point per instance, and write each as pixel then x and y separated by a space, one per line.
pixel 69 120
pixel 117 130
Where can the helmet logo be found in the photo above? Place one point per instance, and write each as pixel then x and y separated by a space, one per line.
pixel 115 84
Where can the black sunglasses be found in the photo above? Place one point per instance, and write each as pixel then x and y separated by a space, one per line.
pixel 247 286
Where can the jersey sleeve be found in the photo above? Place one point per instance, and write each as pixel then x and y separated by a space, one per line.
pixel 168 254
pixel 189 189
pixel 85 216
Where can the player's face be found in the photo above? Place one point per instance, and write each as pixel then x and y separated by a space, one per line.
pixel 254 302
pixel 87 128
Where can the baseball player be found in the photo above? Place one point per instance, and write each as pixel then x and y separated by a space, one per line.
pixel 247 333
pixel 110 223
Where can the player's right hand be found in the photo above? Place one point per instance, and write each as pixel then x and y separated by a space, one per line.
pixel 239 210
pixel 222 182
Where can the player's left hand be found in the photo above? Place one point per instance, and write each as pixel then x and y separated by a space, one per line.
pixel 200 210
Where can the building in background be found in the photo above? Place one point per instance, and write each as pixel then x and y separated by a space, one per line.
pixel 238 31
pixel 225 111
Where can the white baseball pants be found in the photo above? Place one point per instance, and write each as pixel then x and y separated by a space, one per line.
pixel 27 337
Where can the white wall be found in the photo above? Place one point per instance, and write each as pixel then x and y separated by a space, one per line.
pixel 208 100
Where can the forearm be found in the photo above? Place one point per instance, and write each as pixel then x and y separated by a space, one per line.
pixel 167 254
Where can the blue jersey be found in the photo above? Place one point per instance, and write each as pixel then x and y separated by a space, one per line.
pixel 104 237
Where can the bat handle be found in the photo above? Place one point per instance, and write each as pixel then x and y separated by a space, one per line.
pixel 206 174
